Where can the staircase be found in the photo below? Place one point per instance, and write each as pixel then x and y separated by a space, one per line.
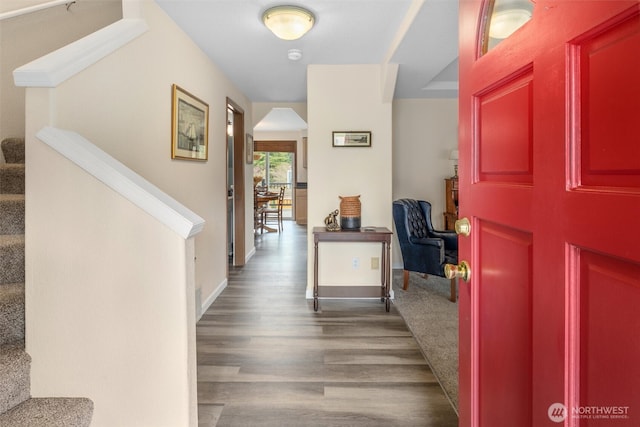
pixel 17 408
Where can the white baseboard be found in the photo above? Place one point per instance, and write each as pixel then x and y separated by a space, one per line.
pixel 211 298
pixel 251 253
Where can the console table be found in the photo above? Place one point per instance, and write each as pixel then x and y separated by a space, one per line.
pixel 374 235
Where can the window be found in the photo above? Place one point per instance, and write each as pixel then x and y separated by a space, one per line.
pixel 276 170
pixel 502 18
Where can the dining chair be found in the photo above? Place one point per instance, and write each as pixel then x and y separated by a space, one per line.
pixel 274 215
pixel 258 212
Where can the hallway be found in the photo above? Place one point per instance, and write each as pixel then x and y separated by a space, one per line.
pixel 266 359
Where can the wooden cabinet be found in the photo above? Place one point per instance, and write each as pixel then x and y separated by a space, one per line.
pixel 450 203
pixel 301 206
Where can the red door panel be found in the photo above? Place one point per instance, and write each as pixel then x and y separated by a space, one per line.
pixel 504 151
pixel 608 297
pixel 604 90
pixel 504 348
pixel 549 176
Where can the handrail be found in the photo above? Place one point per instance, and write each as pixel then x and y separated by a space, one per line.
pixel 59 65
pixel 35 8
pixel 123 180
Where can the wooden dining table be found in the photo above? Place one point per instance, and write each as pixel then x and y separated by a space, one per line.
pixel 263 199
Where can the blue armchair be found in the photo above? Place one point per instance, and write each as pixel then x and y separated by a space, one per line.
pixel 424 250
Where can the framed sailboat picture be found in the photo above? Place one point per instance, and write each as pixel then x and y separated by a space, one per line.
pixel 189 126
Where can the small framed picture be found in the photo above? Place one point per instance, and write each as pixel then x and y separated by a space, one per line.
pixel 189 126
pixel 352 139
pixel 304 152
pixel 249 149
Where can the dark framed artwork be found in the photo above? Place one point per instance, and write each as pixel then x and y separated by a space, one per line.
pixel 189 126
pixel 352 139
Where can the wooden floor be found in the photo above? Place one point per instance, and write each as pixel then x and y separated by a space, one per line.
pixel 265 358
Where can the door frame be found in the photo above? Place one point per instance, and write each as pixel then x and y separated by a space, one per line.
pixel 239 250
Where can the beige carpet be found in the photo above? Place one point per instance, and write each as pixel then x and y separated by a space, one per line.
pixel 433 320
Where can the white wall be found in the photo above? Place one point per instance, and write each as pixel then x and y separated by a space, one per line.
pixel 27 37
pixel 424 133
pixel 348 98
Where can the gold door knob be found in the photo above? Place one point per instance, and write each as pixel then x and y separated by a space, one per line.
pixel 462 271
pixel 463 227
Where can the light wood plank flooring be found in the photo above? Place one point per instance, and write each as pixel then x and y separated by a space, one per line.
pixel 265 358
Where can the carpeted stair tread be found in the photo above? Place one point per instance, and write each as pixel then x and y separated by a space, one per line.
pixel 12 178
pixel 11 258
pixel 12 314
pixel 50 412
pixel 12 213
pixel 14 376
pixel 13 150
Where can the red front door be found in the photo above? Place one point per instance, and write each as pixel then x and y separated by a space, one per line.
pixel 550 180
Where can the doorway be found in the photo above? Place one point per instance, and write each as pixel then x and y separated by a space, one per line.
pixel 235 184
pixel 230 167
pixel 275 162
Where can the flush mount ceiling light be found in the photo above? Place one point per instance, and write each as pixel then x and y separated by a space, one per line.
pixel 288 22
pixel 506 22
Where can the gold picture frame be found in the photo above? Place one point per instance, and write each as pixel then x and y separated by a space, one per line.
pixel 189 126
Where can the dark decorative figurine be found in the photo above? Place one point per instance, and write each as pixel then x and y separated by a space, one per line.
pixel 331 221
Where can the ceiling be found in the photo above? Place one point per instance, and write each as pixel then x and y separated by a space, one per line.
pixel 419 35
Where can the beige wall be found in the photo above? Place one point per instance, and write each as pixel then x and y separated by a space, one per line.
pixel 423 130
pixel 123 105
pixel 108 295
pixel 27 37
pixel 14 5
pixel 348 98
pixel 424 133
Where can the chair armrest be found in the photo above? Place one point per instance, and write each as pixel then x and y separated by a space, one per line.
pixel 450 238
pixel 424 252
pixel 426 241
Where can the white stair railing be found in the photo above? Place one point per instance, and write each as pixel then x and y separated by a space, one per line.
pixel 35 8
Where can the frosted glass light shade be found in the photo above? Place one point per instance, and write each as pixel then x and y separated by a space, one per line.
pixel 506 22
pixel 288 22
